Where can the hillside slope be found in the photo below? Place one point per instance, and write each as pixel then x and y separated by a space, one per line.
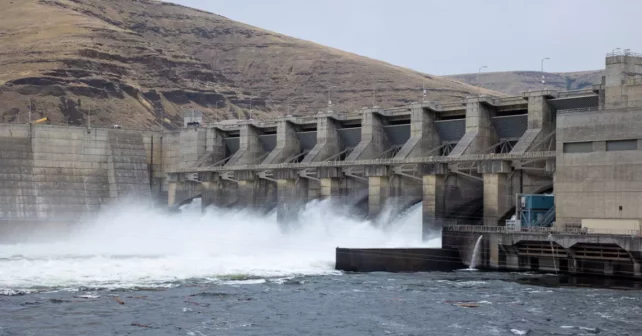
pixel 131 61
pixel 516 82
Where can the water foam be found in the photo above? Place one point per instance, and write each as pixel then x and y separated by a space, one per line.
pixel 132 246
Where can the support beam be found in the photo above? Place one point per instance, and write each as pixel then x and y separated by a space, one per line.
pixel 374 140
pixel 287 143
pixel 258 194
pixel 171 192
pixel 330 187
pixel 292 197
pixel 250 149
pixel 423 133
pixel 433 205
pixel 479 131
pixel 219 193
pixel 328 141
pixel 498 197
pixel 540 121
pixel 378 193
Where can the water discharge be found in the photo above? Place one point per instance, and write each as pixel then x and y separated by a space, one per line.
pixel 473 259
pixel 132 246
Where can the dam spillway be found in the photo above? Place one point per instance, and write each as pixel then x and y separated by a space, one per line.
pixel 465 161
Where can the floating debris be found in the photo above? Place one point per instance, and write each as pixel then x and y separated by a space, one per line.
pixel 117 299
pixel 87 296
pixel 140 325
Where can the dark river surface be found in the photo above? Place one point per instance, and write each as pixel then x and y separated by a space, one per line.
pixel 334 304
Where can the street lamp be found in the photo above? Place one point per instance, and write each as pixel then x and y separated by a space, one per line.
pixel 374 92
pixel 330 101
pixel 542 70
pixel 251 106
pixel 478 73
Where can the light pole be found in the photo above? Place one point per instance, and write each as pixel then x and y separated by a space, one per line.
pixel 30 105
pixel 478 82
pixel 330 101
pixel 251 106
pixel 542 70
pixel 374 92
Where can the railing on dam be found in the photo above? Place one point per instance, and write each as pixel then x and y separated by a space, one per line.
pixel 541 230
pixel 375 162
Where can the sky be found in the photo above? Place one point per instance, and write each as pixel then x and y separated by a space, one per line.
pixel 453 36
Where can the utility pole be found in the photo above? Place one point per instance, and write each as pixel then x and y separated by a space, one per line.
pixel 329 100
pixel 251 106
pixel 374 92
pixel 30 103
pixel 478 82
pixel 542 70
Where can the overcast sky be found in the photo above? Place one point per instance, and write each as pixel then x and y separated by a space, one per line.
pixel 453 36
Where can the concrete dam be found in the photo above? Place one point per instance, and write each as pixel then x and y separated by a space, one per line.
pixel 468 162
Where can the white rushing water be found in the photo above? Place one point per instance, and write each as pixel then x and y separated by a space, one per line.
pixel 129 246
pixel 473 259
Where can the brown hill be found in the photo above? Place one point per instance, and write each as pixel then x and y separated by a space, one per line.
pixel 516 82
pixel 129 61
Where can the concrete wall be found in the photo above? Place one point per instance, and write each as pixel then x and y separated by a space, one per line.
pixel 598 184
pixel 64 173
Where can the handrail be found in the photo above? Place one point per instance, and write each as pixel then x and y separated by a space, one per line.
pixel 623 53
pixel 534 229
pixel 611 106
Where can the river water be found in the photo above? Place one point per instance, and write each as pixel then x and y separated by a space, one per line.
pixel 136 271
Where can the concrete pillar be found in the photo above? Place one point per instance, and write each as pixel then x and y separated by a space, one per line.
pixel 540 121
pixel 493 251
pixel 254 192
pixel 434 206
pixel 512 261
pixel 292 196
pixel 287 143
pixel 423 133
pixel 497 197
pixel 373 137
pixel 608 268
pixel 622 85
pixel 214 145
pixel 250 149
pixel 218 192
pixel 330 187
pixel 171 192
pixel 314 190
pixel 498 191
pixel 479 131
pixel 192 145
pixel 637 270
pixel 378 190
pixel 328 141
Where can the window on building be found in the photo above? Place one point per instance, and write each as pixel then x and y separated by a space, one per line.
pixel 621 145
pixel 578 147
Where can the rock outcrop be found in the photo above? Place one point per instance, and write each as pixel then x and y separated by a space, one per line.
pixel 133 62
